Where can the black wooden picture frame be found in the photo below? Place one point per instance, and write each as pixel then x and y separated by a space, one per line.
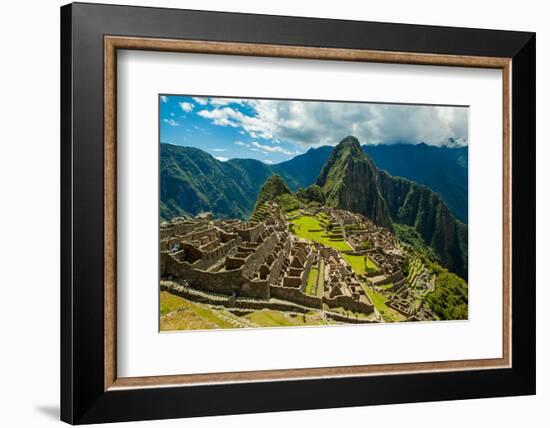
pixel 84 397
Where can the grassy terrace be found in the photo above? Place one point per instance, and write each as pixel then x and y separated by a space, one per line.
pixel 321 279
pixel 312 281
pixel 181 314
pixel 178 313
pixel 379 301
pixel 312 229
pixel 270 318
pixel 360 264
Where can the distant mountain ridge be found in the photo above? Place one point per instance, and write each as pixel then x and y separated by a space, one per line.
pixel 443 169
pixel 193 181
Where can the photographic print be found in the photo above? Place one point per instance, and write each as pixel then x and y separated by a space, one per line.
pixel 281 213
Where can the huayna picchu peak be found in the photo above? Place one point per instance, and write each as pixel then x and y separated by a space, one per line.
pixel 349 181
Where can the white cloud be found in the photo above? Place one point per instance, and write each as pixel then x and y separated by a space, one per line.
pixel 200 100
pixel 218 150
pixel 186 107
pixel 240 143
pixel 273 149
pixel 164 98
pixel 171 122
pixel 221 158
pixel 308 123
pixel 267 161
pixel 217 102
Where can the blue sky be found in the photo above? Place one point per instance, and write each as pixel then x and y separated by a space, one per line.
pixel 273 131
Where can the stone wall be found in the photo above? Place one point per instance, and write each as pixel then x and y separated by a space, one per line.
pixel 349 303
pixel 350 320
pixel 206 258
pixel 292 281
pixel 258 257
pixel 186 293
pixel 192 265
pixel 250 232
pixel 223 282
pixel 296 296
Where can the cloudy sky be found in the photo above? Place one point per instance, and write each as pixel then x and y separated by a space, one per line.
pixel 277 130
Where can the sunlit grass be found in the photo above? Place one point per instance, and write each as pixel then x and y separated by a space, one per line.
pixel 360 264
pixel 311 281
pixel 379 302
pixel 309 227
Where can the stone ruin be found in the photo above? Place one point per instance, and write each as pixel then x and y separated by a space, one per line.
pixel 259 259
pixel 255 259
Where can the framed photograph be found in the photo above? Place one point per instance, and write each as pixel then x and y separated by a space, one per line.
pixel 277 213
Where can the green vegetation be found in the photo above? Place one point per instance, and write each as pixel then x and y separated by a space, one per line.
pixel 442 169
pixel 178 313
pixel 181 314
pixel 412 237
pixel 321 279
pixel 349 181
pixel 270 318
pixel 170 303
pixel 360 264
pixel 379 302
pixel 425 212
pixel 449 300
pixel 365 245
pixel 192 181
pixel 276 190
pixel 311 195
pixel 312 282
pixel 310 228
pixel 347 313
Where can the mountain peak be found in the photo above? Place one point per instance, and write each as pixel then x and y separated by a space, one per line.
pixel 275 189
pixel 277 183
pixel 349 181
pixel 350 143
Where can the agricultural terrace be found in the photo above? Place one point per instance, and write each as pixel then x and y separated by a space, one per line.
pixel 316 280
pixel 310 228
pixel 314 228
pixel 379 302
pixel 177 313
